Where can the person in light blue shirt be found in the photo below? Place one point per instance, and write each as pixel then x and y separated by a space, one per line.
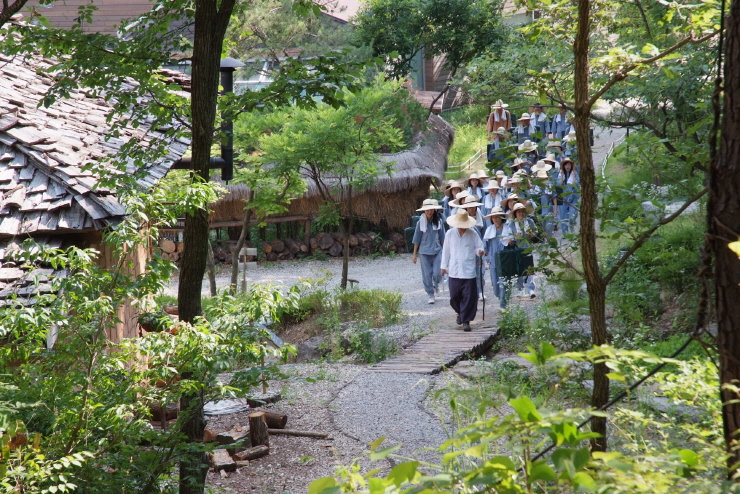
pixel 492 240
pixel 429 238
pixel 560 124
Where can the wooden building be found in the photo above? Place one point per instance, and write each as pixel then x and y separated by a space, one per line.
pixel 45 194
pixel 391 201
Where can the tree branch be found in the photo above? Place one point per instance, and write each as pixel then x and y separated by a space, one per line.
pixel 648 233
pixel 622 74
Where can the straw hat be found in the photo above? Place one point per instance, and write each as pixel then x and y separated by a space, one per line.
pixel 500 131
pixel 542 166
pixel 528 146
pixel 500 173
pixel 525 116
pixel 461 219
pixel 541 174
pixel 454 184
pixel 567 160
pixel 555 144
pixel 493 184
pixel 497 211
pixel 499 104
pixel 570 137
pixel 429 204
pixel 482 175
pixel 517 207
pixel 516 179
pixel 550 157
pixel 465 201
pixel 510 197
pixel 471 177
pixel 517 162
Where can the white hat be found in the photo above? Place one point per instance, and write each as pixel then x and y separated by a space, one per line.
pixel 570 137
pixel 461 219
pixel 525 116
pixel 517 162
pixel 429 204
pixel 541 166
pixel 510 197
pixel 499 104
pixel 517 207
pixel 493 184
pixel 541 173
pixel 482 174
pixel 500 173
pixel 500 131
pixel 527 146
pixel 550 157
pixel 497 211
pixel 516 179
pixel 555 144
pixel 471 177
pixel 465 201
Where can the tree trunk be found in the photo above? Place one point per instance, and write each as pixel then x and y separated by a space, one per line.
pixel 276 420
pixel 240 244
pixel 211 265
pixel 211 20
pixel 724 223
pixel 589 202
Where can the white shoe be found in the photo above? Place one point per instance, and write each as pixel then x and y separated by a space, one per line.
pixel 431 300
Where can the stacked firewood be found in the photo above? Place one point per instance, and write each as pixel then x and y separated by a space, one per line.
pixel 170 249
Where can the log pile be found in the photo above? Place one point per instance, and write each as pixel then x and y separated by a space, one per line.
pixel 330 244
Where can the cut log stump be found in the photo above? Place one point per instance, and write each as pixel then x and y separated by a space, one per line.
pixel 276 420
pixel 251 453
pixel 258 434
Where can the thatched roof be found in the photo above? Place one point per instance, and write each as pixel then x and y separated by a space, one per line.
pixel 392 199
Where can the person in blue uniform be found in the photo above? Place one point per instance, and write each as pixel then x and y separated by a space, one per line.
pixel 493 241
pixel 428 240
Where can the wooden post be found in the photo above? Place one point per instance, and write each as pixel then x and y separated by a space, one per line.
pixel 258 434
pixel 262 376
pixel 307 233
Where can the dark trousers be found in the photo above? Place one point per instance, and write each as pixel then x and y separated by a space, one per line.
pixel 464 298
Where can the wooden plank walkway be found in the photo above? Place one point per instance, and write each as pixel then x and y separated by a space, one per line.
pixel 439 350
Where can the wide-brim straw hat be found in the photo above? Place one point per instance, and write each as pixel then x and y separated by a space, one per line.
pixel 567 160
pixel 555 144
pixel 500 173
pixel 525 116
pixel 499 104
pixel 517 162
pixel 429 204
pixel 468 201
pixel 497 211
pixel 541 166
pixel 461 219
pixel 517 207
pixel 493 184
pixel 500 131
pixel 570 137
pixel 541 174
pixel 454 184
pixel 482 175
pixel 471 177
pixel 528 146
pixel 550 157
pixel 510 197
pixel 516 179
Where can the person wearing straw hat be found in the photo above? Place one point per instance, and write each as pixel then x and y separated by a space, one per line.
pixel 508 202
pixel 469 202
pixel 519 232
pixel 542 189
pixel 570 143
pixel 560 124
pixel 528 150
pixel 450 192
pixel 526 128
pixel 493 241
pixel 552 160
pixel 429 237
pixel 473 184
pixel 460 253
pixel 568 188
pixel 482 180
pixel 500 135
pixel 492 199
pixel 499 117
pixel 540 120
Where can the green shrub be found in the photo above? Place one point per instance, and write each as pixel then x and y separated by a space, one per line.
pixel 376 307
pixel 513 323
pixel 373 346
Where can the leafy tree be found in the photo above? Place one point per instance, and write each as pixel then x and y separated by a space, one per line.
pixel 334 149
pixel 457 29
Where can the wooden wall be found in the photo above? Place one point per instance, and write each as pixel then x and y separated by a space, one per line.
pixel 128 327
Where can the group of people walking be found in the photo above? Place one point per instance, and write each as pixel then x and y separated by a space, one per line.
pixel 524 202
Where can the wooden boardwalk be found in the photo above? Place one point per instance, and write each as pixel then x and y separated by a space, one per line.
pixel 442 349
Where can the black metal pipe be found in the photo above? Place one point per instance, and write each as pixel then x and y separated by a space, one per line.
pixel 228 66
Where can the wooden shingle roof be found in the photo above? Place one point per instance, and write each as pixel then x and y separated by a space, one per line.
pixel 43 186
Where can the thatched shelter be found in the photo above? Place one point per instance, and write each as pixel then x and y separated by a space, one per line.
pixel 391 200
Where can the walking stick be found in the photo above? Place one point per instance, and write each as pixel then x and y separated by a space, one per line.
pixel 480 272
